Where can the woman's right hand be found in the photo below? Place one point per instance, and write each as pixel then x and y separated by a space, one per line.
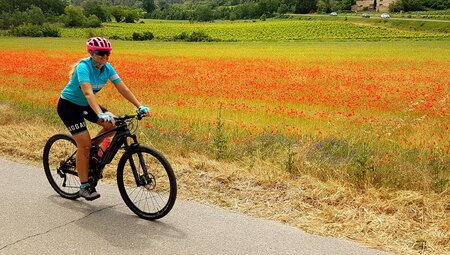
pixel 103 117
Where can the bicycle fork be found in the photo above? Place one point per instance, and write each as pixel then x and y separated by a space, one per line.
pixel 141 180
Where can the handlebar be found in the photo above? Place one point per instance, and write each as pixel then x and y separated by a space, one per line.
pixel 120 119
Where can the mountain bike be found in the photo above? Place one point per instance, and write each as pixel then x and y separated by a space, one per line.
pixel 145 179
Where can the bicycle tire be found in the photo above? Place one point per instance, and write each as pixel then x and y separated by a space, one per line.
pixel 59 165
pixel 156 199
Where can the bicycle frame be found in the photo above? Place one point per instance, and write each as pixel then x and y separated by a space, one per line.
pixel 120 141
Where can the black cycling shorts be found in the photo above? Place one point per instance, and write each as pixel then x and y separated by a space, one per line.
pixel 73 115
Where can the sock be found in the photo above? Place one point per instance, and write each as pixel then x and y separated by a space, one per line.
pixel 84 185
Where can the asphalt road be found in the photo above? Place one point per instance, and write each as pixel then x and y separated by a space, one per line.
pixel 35 220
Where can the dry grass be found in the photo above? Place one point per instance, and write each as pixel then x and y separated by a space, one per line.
pixel 403 222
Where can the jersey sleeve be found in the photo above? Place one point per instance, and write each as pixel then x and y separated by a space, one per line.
pixel 82 73
pixel 113 76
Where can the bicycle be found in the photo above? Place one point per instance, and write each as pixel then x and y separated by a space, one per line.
pixel 145 179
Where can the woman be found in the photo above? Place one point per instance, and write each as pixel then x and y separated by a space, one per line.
pixel 78 102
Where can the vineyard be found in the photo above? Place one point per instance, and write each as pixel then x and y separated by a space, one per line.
pixel 273 30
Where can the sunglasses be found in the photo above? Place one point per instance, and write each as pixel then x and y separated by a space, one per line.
pixel 102 52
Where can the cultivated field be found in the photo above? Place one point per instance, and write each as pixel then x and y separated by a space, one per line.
pixel 274 30
pixel 349 139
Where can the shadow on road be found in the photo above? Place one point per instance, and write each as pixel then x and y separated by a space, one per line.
pixel 115 224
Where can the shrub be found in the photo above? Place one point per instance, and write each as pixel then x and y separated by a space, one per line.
pixel 193 37
pixel 50 31
pixel 31 30
pixel 146 36
pixel 93 21
pixel 181 37
pixel 116 37
pixel 199 37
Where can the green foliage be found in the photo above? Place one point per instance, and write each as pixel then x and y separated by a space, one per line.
pixel 418 5
pixel 149 5
pixel 145 36
pixel 49 7
pixel 440 168
pixel 33 15
pixel 118 13
pixel 92 7
pixel 203 13
pixel 32 30
pixel 362 168
pixel 306 6
pixel 73 17
pixel 195 36
pixel 13 19
pixel 93 21
pixel 220 142
pixel 132 15
pixel 290 162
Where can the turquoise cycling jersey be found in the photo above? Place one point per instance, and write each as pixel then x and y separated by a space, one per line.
pixel 87 72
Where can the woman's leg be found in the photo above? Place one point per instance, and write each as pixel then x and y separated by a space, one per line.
pixel 83 140
pixel 106 127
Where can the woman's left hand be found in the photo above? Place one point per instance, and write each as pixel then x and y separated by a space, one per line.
pixel 143 110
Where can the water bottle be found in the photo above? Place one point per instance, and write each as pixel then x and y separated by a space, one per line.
pixel 104 145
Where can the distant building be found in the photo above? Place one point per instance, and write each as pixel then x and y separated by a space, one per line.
pixel 372 5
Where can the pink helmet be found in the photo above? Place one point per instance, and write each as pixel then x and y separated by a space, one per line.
pixel 98 43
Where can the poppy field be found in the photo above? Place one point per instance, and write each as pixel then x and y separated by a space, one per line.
pixel 373 113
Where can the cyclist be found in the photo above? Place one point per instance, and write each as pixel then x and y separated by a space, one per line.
pixel 78 102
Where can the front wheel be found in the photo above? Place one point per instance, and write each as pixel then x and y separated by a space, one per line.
pixel 59 165
pixel 146 183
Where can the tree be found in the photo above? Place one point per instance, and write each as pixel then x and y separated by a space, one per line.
pixel 203 13
pixel 345 5
pixel 283 9
pixel 306 6
pixel 132 15
pixel 35 15
pixel 437 4
pixel 93 21
pixel 92 7
pixel 411 5
pixel 118 13
pixel 73 17
pixel 149 5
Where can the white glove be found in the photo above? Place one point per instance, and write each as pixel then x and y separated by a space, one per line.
pixel 143 110
pixel 103 117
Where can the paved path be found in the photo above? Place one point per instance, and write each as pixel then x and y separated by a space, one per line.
pixel 34 220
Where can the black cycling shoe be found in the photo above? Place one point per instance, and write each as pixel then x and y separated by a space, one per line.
pixel 89 193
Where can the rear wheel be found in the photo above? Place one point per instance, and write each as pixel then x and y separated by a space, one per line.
pixel 60 167
pixel 151 192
